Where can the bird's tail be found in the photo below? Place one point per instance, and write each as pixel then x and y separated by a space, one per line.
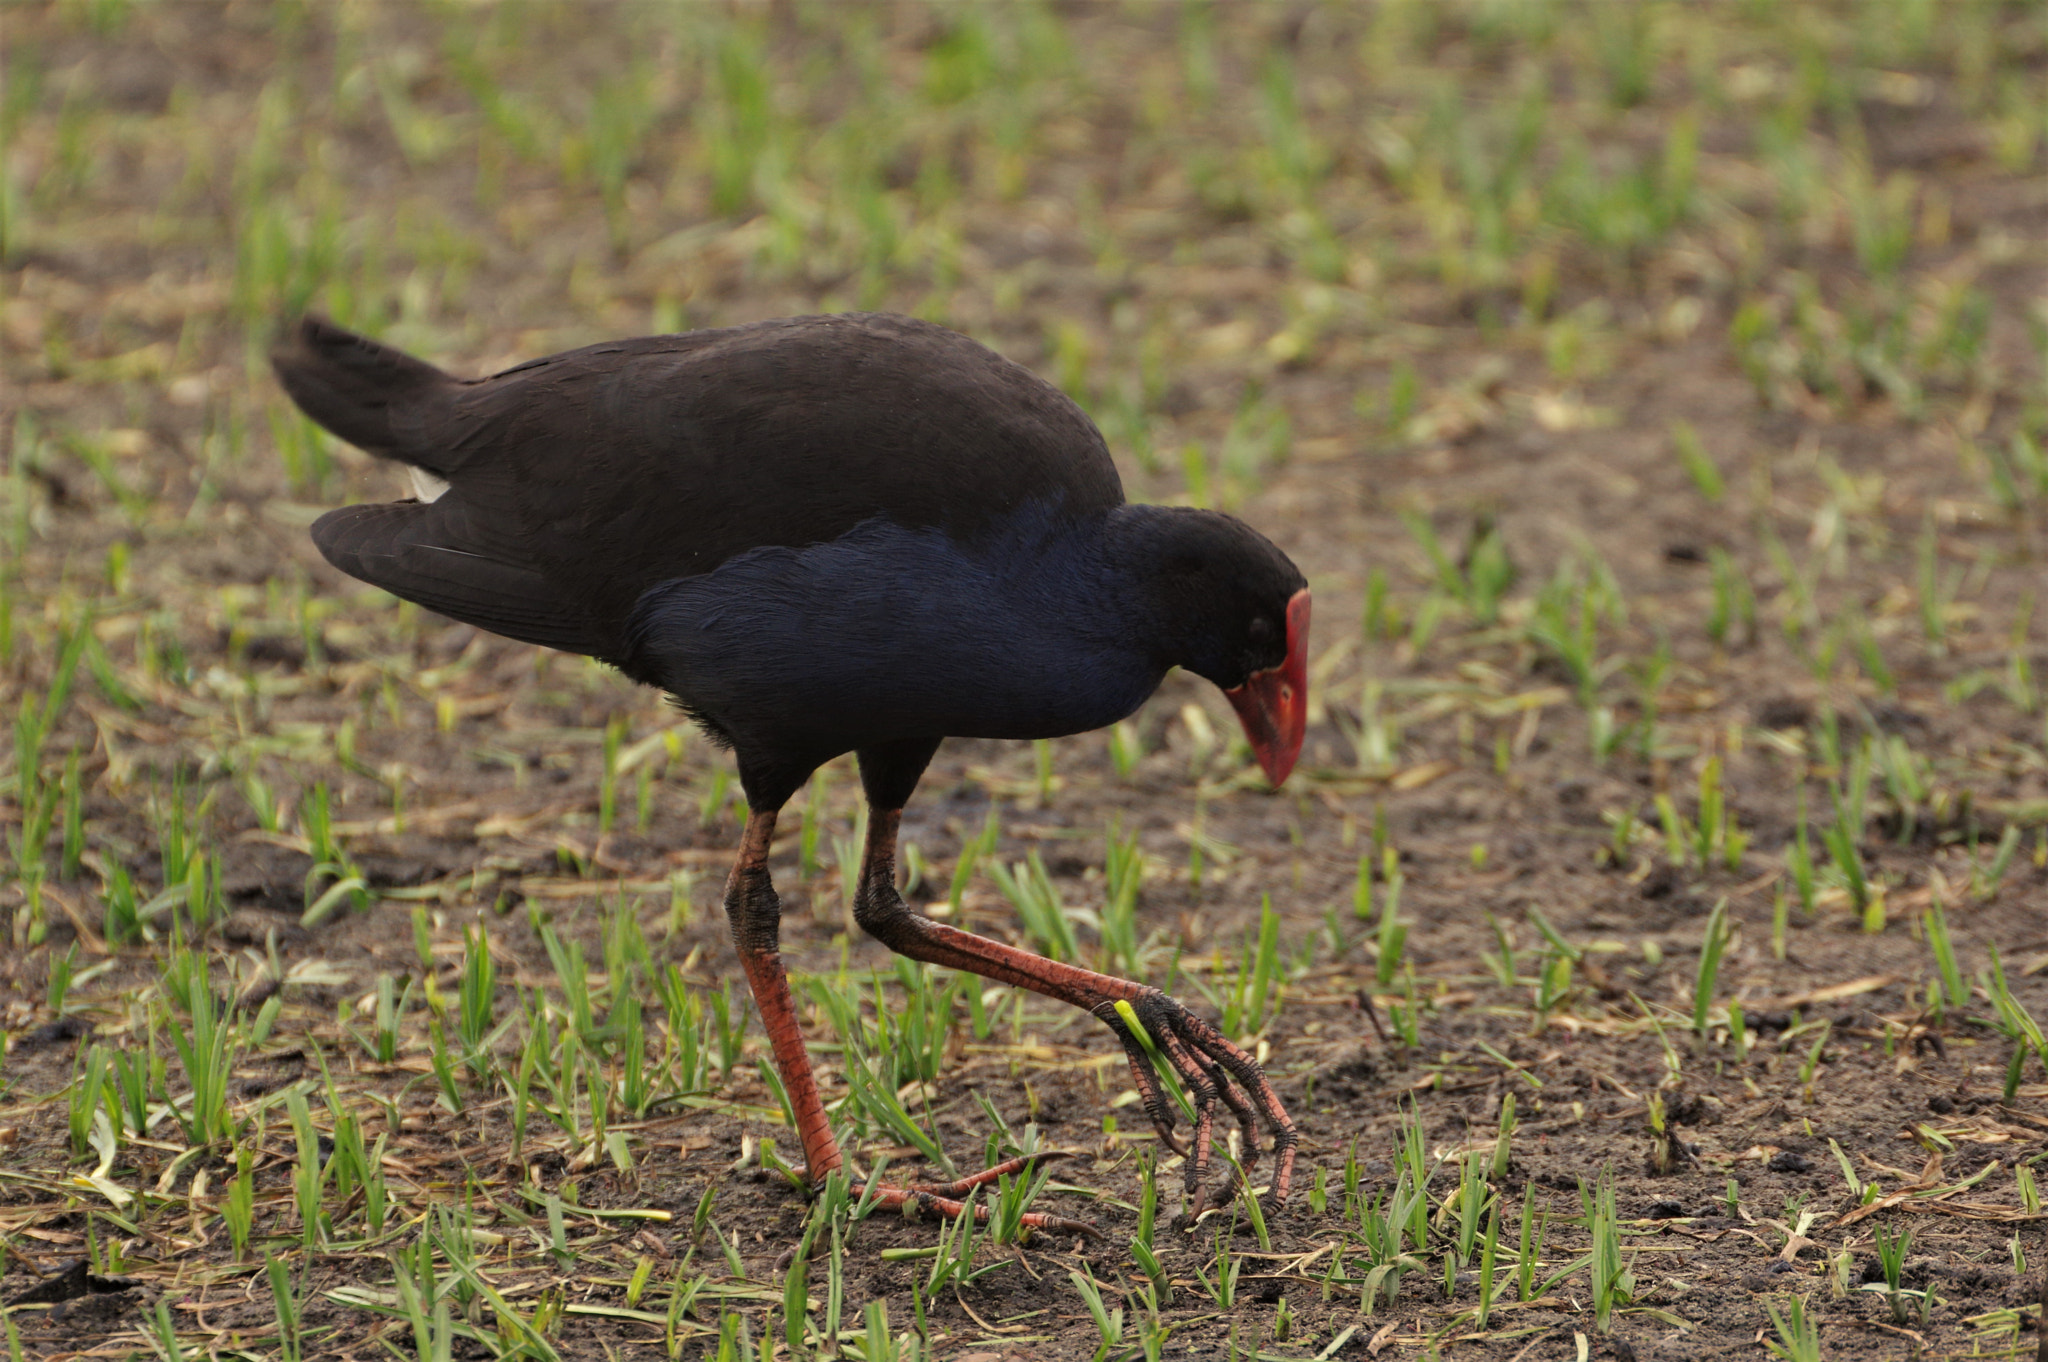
pixel 367 393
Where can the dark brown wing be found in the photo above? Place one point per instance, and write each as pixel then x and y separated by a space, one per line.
pixel 426 552
pixel 607 470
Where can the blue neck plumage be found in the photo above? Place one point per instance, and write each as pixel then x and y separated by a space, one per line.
pixel 889 632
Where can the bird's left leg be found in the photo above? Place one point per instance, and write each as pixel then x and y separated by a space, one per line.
pixel 1211 1067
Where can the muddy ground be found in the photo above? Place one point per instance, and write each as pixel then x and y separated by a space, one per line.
pixel 1349 271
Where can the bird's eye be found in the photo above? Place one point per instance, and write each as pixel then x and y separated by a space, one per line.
pixel 1262 630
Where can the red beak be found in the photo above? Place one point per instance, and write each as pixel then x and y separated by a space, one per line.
pixel 1273 704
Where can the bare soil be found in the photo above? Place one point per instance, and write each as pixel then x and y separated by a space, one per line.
pixel 1469 757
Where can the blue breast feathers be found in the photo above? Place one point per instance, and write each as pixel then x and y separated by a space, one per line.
pixel 889 633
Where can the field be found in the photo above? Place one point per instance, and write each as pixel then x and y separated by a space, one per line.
pixel 1653 944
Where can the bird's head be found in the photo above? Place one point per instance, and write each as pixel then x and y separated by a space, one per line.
pixel 1233 609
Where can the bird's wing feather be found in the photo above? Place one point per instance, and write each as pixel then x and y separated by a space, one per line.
pixel 425 552
pixel 638 462
pixel 596 474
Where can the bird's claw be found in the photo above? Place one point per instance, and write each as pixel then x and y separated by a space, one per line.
pixel 945 1199
pixel 1212 1069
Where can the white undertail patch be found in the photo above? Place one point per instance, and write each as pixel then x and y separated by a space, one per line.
pixel 425 486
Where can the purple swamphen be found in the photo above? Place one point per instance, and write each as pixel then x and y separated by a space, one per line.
pixel 822 535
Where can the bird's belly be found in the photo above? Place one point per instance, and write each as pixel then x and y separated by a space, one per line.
pixel 773 686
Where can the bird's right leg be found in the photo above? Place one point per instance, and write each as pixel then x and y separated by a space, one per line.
pixel 755 915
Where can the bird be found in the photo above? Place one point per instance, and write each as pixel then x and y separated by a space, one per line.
pixel 855 532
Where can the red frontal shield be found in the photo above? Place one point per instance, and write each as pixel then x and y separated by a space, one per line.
pixel 1273 704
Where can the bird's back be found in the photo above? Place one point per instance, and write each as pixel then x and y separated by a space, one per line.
pixel 581 480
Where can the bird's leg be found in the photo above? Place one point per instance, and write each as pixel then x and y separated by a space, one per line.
pixel 755 916
pixel 1211 1067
